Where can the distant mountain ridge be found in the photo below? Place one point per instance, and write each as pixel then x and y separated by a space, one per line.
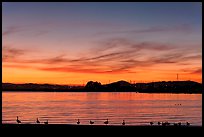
pixel 119 86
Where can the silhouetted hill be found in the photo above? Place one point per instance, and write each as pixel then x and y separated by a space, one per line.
pixel 152 87
pixel 34 87
pixel 93 86
pixel 121 83
pixel 170 86
pixel 119 86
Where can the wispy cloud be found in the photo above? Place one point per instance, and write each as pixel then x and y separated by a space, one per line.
pixel 183 28
pixel 81 70
pixel 28 28
pixel 40 33
pixel 178 28
pixel 112 56
pixel 197 71
pixel 12 30
pixel 19 66
pixel 193 71
pixel 10 54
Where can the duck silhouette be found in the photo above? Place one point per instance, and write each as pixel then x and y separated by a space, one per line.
pixel 91 122
pixel 123 122
pixel 37 121
pixel 78 122
pixel 175 124
pixel 46 122
pixel 18 121
pixel 167 123
pixel 163 124
pixel 187 123
pixel 106 122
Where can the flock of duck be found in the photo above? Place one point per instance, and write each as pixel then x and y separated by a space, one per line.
pixel 123 123
pixel 168 124
pixel 92 122
pixel 37 121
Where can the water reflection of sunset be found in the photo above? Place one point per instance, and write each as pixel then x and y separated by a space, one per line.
pixel 135 108
pixel 99 96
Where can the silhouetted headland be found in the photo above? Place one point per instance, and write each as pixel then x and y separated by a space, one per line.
pixel 119 86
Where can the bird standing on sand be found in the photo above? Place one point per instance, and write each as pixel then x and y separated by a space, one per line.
pixel 123 122
pixel 187 123
pixel 106 122
pixel 18 121
pixel 175 124
pixel 37 121
pixel 167 123
pixel 91 122
pixel 46 122
pixel 151 123
pixel 78 122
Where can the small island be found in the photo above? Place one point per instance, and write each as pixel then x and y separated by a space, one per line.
pixel 119 86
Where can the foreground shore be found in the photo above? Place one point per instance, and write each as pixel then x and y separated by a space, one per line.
pixel 100 130
pixel 95 126
pixel 190 87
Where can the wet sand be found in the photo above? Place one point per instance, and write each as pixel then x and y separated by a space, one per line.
pixel 99 130
pixel 95 126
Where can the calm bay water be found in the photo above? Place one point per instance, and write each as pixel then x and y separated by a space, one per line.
pixel 134 108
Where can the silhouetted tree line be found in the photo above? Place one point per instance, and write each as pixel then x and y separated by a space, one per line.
pixel 120 86
pixel 153 87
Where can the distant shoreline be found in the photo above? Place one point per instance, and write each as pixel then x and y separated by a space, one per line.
pixel 189 87
pixel 99 92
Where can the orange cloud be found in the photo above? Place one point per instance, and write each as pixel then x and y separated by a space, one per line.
pixel 116 57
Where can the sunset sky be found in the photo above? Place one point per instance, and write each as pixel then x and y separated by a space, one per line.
pixel 73 43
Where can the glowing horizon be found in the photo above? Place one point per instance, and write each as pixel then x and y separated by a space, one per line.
pixel 73 43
